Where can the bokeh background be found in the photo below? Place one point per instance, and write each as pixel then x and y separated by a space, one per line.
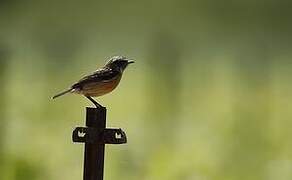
pixel 209 96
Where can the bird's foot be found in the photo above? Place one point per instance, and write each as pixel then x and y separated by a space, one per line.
pixel 94 102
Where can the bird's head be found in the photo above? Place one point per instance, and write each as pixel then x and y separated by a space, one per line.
pixel 119 63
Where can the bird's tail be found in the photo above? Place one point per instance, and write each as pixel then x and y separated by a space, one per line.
pixel 62 93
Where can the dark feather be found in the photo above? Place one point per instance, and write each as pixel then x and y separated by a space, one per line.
pixel 100 75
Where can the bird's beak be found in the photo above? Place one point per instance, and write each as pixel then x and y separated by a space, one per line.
pixel 130 61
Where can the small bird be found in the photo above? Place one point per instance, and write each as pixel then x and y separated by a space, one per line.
pixel 101 81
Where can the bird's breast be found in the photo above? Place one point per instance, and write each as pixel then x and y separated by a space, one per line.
pixel 95 89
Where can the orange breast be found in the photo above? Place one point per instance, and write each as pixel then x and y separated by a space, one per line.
pixel 96 89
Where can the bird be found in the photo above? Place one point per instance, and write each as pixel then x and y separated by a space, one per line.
pixel 100 82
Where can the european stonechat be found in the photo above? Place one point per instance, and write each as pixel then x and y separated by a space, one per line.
pixel 101 81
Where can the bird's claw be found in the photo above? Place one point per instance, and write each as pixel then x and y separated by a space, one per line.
pixel 94 102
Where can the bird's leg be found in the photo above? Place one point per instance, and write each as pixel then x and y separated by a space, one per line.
pixel 93 101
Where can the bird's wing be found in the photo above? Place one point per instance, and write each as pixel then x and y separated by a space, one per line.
pixel 100 75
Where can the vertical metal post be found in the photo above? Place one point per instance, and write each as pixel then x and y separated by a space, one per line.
pixel 95 135
pixel 94 152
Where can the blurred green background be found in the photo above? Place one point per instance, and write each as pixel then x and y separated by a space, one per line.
pixel 209 96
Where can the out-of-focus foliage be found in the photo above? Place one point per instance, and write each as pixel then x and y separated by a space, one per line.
pixel 209 96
